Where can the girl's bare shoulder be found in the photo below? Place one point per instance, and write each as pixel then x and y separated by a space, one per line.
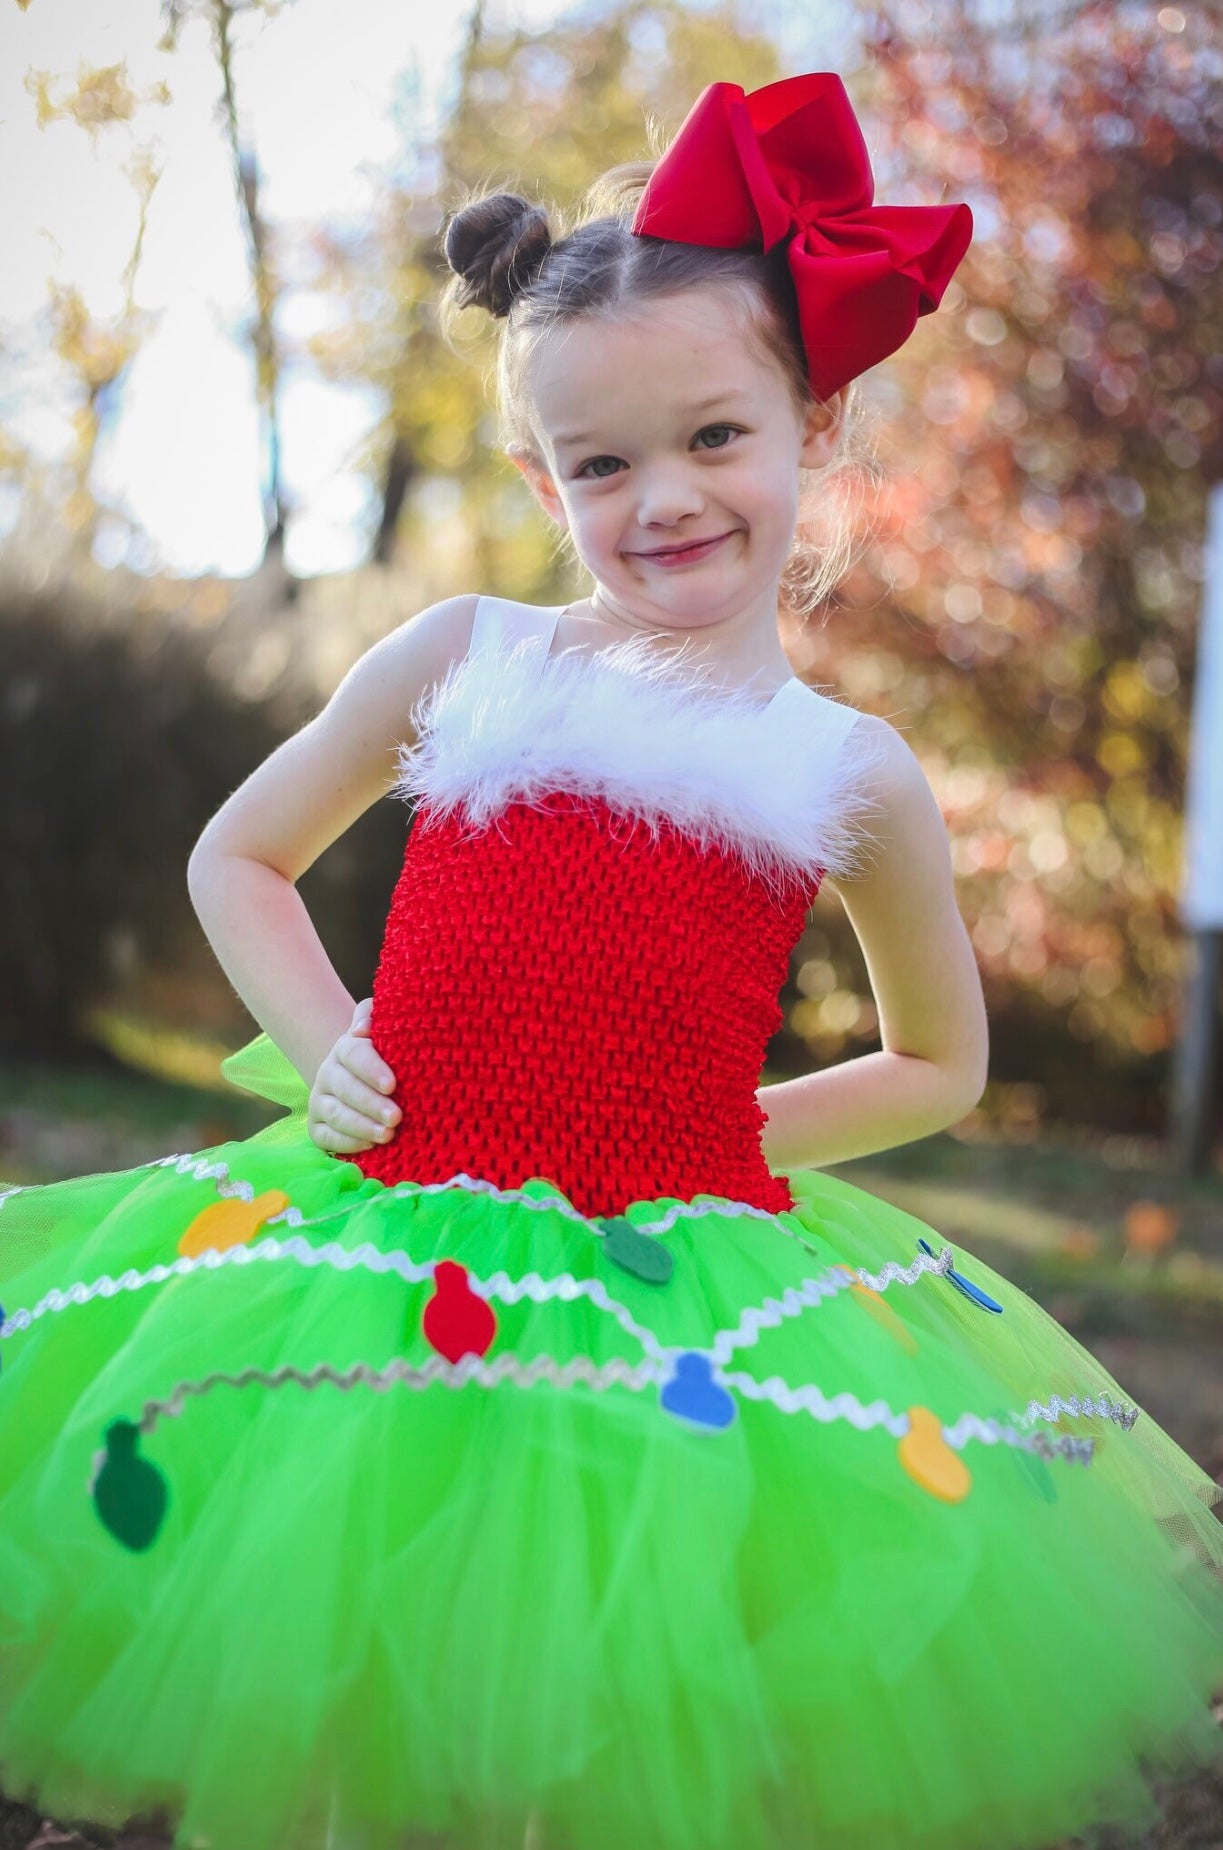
pixel 411 659
pixel 317 783
pixel 908 828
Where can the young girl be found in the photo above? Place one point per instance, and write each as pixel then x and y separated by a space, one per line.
pixel 521 1440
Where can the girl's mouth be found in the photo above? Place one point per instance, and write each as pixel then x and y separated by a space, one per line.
pixel 685 555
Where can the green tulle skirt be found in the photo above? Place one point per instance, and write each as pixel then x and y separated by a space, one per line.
pixel 343 1517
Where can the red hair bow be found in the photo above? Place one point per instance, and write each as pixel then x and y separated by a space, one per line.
pixel 790 160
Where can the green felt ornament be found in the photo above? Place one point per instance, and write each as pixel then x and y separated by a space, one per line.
pixel 639 1253
pixel 129 1493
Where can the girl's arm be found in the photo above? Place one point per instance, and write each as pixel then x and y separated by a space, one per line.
pixel 243 871
pixel 927 990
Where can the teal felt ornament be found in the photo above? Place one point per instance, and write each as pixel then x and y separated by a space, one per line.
pixel 1038 1473
pixel 1030 1464
pixel 639 1253
pixel 129 1493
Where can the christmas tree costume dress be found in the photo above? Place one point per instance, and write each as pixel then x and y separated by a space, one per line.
pixel 555 1471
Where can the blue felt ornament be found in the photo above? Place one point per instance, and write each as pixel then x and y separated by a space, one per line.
pixel 962 1284
pixel 693 1395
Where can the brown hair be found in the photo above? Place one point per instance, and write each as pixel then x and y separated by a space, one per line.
pixel 505 260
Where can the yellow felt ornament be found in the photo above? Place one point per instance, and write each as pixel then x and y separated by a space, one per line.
pixel 930 1461
pixel 880 1310
pixel 230 1223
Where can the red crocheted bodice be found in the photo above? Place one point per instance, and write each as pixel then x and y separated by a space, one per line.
pixel 561 995
pixel 575 983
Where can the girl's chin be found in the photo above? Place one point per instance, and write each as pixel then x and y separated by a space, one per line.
pixel 715 592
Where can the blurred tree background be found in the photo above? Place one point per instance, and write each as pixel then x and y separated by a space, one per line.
pixel 1024 607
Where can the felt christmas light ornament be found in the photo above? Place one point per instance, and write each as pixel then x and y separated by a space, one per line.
pixel 456 1322
pixel 232 1222
pixel 930 1461
pixel 129 1494
pixel 639 1253
pixel 691 1394
pixel 971 1291
pixel 879 1309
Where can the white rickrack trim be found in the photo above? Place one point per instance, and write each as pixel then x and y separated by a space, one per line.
pixel 773 1312
pixel 370 1258
pixel 480 1185
pixel 892 1270
pixel 1105 1407
pixel 894 1273
pixel 846 1406
pixel 104 1287
pixel 753 1321
pixel 201 1170
pixel 567 1288
pixel 17 1189
pixel 599 1377
pixel 733 1210
pixel 797 1298
pixel 993 1431
pixel 813 1400
pixel 341 1259
pixel 548 1204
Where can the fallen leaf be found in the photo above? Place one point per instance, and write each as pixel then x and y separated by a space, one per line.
pixel 1150 1226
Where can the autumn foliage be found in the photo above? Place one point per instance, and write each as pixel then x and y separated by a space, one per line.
pixel 1026 598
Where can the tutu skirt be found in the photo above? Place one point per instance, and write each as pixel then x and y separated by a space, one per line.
pixel 337 1516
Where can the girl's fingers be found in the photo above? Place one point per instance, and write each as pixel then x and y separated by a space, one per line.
pixel 371 1070
pixel 349 1106
pixel 350 1121
pixel 358 1076
pixel 325 1138
pixel 353 1090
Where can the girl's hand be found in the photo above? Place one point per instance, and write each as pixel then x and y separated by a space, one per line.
pixel 349 1109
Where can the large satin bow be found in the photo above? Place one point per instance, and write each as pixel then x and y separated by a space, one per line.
pixel 790 160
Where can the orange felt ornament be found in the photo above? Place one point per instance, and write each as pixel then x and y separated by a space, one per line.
pixel 930 1461
pixel 233 1222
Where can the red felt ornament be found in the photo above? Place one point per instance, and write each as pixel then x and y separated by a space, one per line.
pixel 457 1322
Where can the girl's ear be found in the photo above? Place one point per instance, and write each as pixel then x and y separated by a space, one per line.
pixel 541 486
pixel 822 431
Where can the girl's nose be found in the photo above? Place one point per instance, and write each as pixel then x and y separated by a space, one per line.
pixel 665 496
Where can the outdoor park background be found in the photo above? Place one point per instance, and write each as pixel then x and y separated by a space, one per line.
pixel 234 451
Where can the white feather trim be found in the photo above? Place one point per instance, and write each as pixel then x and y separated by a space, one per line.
pixel 787 784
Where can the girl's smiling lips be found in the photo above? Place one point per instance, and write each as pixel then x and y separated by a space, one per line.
pixel 680 555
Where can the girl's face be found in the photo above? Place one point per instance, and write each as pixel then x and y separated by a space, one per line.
pixel 672 455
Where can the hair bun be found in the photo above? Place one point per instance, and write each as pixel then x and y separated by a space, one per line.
pixel 497 245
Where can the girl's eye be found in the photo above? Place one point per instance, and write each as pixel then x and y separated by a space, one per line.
pixel 727 430
pixel 592 467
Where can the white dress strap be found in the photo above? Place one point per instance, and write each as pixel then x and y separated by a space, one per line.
pixel 835 718
pixel 500 624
